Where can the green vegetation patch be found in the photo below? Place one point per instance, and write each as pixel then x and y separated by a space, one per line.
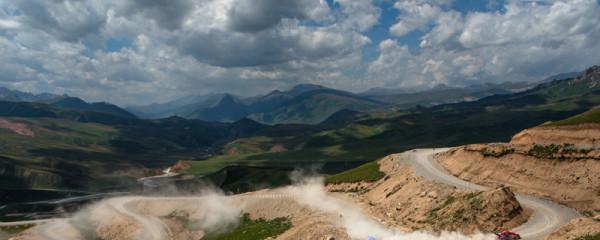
pixel 354 131
pixel 544 150
pixel 595 236
pixel 332 159
pixel 16 229
pixel 367 172
pixel 550 151
pixel 248 145
pixel 493 153
pixel 591 116
pixel 258 229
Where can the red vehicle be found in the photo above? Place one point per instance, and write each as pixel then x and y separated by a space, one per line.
pixel 508 235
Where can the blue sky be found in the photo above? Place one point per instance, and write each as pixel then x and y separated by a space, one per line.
pixel 137 52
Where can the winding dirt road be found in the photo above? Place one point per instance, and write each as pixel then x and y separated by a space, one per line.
pixel 153 227
pixel 547 217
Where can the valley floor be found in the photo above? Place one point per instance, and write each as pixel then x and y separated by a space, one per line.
pixel 316 214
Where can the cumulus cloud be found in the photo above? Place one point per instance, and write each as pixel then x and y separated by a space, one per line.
pixel 168 14
pixel 180 47
pixel 257 15
pixel 527 22
pixel 67 20
pixel 164 49
pixel 257 33
pixel 274 46
pixel 524 41
pixel 416 16
pixel 360 14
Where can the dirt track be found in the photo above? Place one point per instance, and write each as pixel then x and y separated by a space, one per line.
pixel 547 218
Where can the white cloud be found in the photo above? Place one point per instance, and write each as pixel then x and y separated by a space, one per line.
pixel 447 26
pixel 525 41
pixel 8 24
pixel 360 14
pixel 66 20
pixel 189 47
pixel 249 47
pixel 416 15
pixel 257 15
pixel 524 22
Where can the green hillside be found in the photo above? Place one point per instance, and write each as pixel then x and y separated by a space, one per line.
pixel 99 107
pixel 60 153
pixel 591 116
pixel 37 110
pixel 316 106
pixel 76 149
pixel 64 149
pixel 303 104
pixel 491 119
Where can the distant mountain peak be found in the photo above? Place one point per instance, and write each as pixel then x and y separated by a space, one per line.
pixel 7 94
pixel 227 99
pixel 441 86
pixel 100 107
pixel 591 74
pixel 274 92
pixel 72 100
pixel 594 70
pixel 307 86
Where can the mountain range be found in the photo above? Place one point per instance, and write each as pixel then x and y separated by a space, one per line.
pixel 64 103
pixel 302 104
pixel 67 142
pixel 19 96
pixel 312 104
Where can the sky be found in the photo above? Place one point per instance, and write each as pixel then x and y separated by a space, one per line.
pixel 133 52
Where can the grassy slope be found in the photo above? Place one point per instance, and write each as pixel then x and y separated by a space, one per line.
pixel 261 144
pixel 77 154
pixel 314 108
pixel 366 172
pixel 341 151
pixel 61 152
pixel 250 229
pixel 491 119
pixel 591 116
pixel 365 139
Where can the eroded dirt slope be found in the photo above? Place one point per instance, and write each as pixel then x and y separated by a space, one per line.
pixel 574 182
pixel 583 135
pixel 406 201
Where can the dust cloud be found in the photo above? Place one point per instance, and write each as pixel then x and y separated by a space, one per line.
pixel 136 217
pixel 311 192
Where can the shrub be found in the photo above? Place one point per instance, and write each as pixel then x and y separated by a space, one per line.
pixel 544 150
pixel 491 153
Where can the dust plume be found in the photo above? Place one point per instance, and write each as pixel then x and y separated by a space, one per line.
pixel 310 191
